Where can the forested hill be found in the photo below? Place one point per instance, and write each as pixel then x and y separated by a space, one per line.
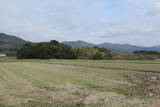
pixel 10 43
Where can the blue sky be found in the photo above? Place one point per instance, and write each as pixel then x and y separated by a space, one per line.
pixel 117 21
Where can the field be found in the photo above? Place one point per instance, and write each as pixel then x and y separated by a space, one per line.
pixel 79 83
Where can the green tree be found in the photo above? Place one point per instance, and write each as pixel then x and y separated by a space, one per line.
pixel 45 50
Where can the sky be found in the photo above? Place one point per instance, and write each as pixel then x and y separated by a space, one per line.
pixel 135 22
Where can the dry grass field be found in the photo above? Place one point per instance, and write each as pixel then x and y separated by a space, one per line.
pixel 79 83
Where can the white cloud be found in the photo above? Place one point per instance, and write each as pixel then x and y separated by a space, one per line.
pixel 87 20
pixel 151 7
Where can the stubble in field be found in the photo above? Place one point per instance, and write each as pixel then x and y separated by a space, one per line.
pixel 26 84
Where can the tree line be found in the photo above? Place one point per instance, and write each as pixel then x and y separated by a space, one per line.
pixel 56 50
pixel 46 50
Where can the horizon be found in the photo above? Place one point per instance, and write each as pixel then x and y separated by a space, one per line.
pixel 94 21
pixel 111 43
pixel 85 41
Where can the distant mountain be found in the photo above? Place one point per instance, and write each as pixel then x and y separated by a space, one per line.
pixel 155 47
pixel 78 43
pixel 10 43
pixel 122 48
pixel 114 47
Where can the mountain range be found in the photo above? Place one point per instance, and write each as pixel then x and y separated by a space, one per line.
pixel 12 43
pixel 113 47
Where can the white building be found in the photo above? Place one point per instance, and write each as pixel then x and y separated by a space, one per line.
pixel 2 55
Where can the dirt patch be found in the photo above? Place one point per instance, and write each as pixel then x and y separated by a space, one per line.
pixel 66 86
pixel 155 103
pixel 103 98
pixel 14 101
pixel 141 84
pixel 65 97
